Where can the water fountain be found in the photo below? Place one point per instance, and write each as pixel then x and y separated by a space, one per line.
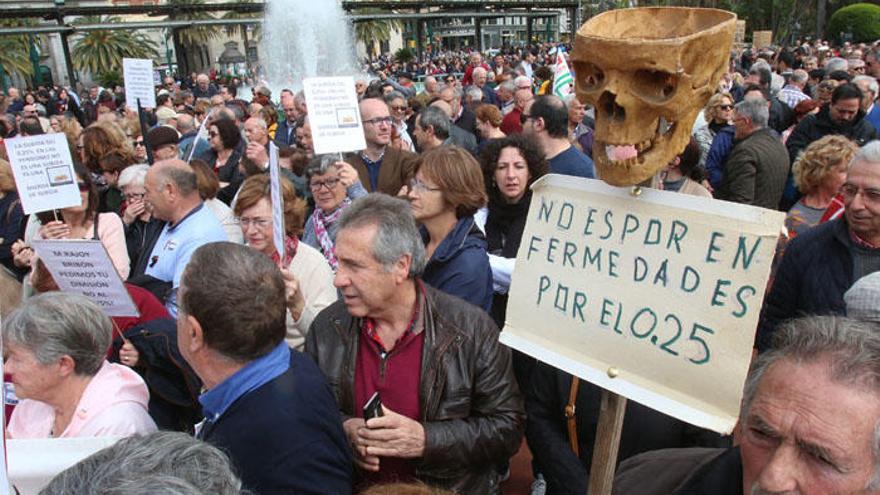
pixel 306 38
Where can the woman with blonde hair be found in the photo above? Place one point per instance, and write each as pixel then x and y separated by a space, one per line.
pixel 446 191
pixel 719 115
pixel 103 138
pixel 818 173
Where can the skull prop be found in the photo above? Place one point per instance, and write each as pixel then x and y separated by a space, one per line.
pixel 648 72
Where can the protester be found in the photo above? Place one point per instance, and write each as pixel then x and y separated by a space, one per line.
pixel 676 176
pixel 141 229
pixel 579 134
pixel 718 115
pixel 208 187
pixel 101 139
pixel 54 347
pixel 488 123
pixel 224 137
pixel 377 337
pixel 112 164
pixel 308 278
pixel 792 435
pixel 444 194
pixel 265 405
pixel 512 122
pixel 12 218
pixel 163 140
pixel 546 120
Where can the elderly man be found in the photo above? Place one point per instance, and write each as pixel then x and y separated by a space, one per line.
pixel 172 194
pixel 163 140
pixel 505 96
pixel 476 61
pixel 512 122
pixel 461 116
pixel 823 262
pixel 793 92
pixel 381 167
pixel 285 134
pixel 757 168
pixel 432 128
pixel 451 411
pixel 267 406
pixel 870 93
pixel 843 116
pixel 432 87
pixel 203 87
pixel 456 135
pixel 546 119
pixel 489 96
pixel 807 425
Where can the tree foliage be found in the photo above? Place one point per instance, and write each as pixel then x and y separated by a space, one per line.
pixel 374 31
pixel 15 50
pixel 102 51
pixel 861 19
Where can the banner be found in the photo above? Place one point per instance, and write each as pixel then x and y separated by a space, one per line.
pixel 333 114
pixel 654 297
pixel 562 79
pixel 138 76
pixel 43 170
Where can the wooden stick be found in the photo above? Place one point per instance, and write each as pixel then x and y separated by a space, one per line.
pixel 607 443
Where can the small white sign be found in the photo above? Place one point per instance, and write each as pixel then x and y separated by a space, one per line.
pixel 333 114
pixel 138 76
pixel 43 172
pixel 277 202
pixel 84 267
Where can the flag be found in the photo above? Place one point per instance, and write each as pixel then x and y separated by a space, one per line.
pixel 561 76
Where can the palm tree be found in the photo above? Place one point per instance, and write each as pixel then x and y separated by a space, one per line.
pixel 374 31
pixel 189 40
pixel 15 50
pixel 101 52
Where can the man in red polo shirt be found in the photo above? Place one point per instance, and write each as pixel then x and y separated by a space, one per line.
pixel 451 409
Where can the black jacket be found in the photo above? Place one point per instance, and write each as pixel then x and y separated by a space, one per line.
pixel 471 408
pixel 820 125
pixel 815 271
pixel 140 237
pixel 546 430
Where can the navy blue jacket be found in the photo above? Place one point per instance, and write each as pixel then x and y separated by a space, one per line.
pixel 815 271
pixel 281 134
pixel 286 436
pixel 720 149
pixel 460 264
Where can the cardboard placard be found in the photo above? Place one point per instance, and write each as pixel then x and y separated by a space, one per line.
pixel 277 201
pixel 654 297
pixel 762 39
pixel 43 170
pixel 138 76
pixel 333 114
pixel 83 266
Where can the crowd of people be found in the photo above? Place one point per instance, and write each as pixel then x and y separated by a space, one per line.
pixel 365 356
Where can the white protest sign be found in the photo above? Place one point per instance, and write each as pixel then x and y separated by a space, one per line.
pixel 33 462
pixel 138 76
pixel 43 172
pixel 654 297
pixel 333 114
pixel 84 267
pixel 277 201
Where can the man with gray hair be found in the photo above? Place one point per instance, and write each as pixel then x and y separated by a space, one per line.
pixel 442 404
pixel 432 128
pixel 456 135
pixel 757 168
pixel 808 423
pixel 172 193
pixel 870 93
pixel 835 64
pixel 793 92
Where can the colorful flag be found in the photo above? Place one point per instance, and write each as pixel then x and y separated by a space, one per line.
pixel 561 75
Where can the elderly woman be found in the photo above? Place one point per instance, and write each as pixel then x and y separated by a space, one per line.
pixel 334 186
pixel 444 195
pixel 718 115
pixel 818 173
pixel 55 346
pixel 307 276
pixel 141 229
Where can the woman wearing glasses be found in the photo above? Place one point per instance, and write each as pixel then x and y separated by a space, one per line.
pixel 719 116
pixel 307 276
pixel 444 195
pixel 334 185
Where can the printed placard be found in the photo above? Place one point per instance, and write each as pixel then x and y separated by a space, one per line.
pixel 138 76
pixel 334 116
pixel 277 201
pixel 43 170
pixel 654 297
pixel 84 267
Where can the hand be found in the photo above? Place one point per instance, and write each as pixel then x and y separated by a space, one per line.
pixel 128 354
pixel 393 435
pixel 346 173
pixel 366 462
pixel 256 153
pixel 295 300
pixel 55 229
pixel 133 211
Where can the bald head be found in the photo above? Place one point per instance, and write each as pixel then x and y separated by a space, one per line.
pixel 521 97
pixel 185 123
pixel 177 173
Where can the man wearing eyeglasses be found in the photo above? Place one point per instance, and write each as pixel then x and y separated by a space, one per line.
pixel 382 168
pixel 821 264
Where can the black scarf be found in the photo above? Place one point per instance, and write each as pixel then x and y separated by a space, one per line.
pixel 505 224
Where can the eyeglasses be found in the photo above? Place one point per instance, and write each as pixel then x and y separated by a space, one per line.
pixel 725 107
pixel 316 185
pixel 137 142
pixel 258 222
pixel 524 117
pixel 133 196
pixel 378 120
pixel 420 187
pixel 401 108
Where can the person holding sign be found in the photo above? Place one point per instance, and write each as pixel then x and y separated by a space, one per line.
pixel 308 279
pixel 55 346
pixel 808 423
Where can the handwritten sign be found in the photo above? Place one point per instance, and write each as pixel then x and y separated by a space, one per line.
pixel 43 171
pixel 84 267
pixel 277 201
pixel 762 39
pixel 138 75
pixel 333 114
pixel 654 297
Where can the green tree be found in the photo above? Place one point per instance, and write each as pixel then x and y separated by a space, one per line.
pixel 862 20
pixel 15 50
pixel 101 51
pixel 375 31
pixel 189 42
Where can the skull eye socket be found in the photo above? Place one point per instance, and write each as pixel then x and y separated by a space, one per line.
pixel 590 76
pixel 655 85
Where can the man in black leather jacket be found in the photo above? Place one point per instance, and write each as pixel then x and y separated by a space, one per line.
pixel 451 408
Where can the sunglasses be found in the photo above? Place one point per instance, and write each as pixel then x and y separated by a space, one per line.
pixel 725 107
pixel 137 142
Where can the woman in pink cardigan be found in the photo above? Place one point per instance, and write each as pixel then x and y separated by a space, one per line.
pixel 55 346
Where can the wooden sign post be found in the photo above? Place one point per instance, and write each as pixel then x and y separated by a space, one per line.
pixel 607 443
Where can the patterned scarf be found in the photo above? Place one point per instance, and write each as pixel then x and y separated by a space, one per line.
pixel 322 222
pixel 291 243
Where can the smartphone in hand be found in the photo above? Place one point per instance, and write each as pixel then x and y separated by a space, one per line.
pixel 373 407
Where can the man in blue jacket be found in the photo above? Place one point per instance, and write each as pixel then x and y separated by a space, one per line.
pixel 267 406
